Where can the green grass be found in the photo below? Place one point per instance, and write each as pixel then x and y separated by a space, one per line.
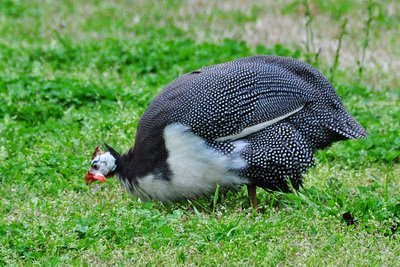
pixel 62 93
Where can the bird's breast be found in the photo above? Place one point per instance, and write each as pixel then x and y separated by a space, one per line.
pixel 196 169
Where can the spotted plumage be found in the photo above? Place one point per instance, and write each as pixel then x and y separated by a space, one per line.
pixel 254 121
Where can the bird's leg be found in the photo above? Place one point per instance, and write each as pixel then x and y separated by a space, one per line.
pixel 251 191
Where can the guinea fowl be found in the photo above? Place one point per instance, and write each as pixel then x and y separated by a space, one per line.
pixel 255 121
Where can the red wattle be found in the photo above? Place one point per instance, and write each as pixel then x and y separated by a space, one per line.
pixel 91 177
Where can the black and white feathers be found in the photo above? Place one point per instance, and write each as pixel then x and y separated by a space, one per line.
pixel 255 120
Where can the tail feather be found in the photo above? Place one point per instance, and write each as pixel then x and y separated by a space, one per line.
pixel 348 127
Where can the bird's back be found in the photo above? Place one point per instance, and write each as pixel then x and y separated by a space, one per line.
pixel 224 99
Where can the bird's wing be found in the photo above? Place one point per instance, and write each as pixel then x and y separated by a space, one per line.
pixel 280 145
pixel 235 99
pixel 278 153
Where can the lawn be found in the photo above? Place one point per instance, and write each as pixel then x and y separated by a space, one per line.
pixel 75 74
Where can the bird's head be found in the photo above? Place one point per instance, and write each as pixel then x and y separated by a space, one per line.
pixel 102 166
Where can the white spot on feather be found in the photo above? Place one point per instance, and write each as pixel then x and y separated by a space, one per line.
pixel 196 168
pixel 255 128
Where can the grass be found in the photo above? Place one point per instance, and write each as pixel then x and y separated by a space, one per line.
pixel 65 89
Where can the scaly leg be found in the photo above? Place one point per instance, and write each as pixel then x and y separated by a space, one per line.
pixel 251 190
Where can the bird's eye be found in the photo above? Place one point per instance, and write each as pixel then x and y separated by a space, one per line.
pixel 95 166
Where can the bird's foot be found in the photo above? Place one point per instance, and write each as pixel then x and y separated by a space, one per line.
pixel 252 191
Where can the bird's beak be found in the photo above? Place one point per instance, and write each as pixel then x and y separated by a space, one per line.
pixel 91 177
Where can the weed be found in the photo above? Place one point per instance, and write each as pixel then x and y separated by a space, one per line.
pixel 342 32
pixel 310 46
pixel 366 41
